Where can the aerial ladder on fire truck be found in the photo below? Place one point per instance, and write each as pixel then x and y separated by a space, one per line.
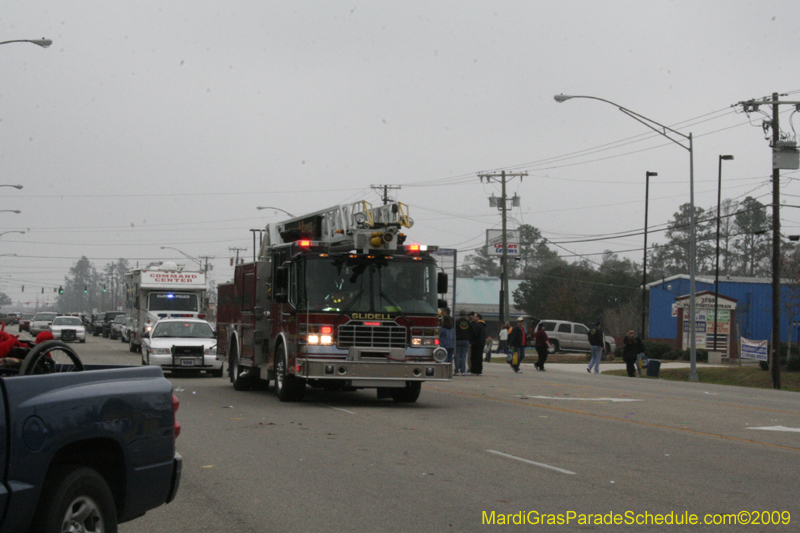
pixel 357 225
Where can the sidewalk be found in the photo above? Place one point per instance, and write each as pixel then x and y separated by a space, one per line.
pixel 581 367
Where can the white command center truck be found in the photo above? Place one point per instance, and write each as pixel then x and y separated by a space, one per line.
pixel 159 291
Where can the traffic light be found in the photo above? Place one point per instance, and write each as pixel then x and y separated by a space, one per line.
pixel 104 288
pixel 60 289
pixel 84 289
pixel 42 290
pixel 23 288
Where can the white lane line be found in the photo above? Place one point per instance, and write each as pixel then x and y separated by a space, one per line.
pixel 585 399
pixel 340 409
pixel 534 463
pixel 778 428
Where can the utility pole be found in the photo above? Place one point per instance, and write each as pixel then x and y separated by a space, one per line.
pixel 385 188
pixel 237 250
pixel 784 155
pixel 502 177
pixel 206 258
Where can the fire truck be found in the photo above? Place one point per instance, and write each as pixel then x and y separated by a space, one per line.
pixel 162 290
pixel 335 300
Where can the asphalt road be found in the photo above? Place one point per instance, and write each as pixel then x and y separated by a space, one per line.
pixel 554 442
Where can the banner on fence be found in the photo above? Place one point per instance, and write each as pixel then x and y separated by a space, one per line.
pixel 753 349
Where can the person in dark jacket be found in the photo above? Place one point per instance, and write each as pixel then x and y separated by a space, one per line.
pixel 596 340
pixel 516 343
pixel 633 346
pixel 463 329
pixel 542 343
pixel 477 342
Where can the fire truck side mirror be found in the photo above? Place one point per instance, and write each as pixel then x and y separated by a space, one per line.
pixel 441 283
pixel 442 303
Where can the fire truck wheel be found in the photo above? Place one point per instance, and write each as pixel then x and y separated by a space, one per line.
pixel 287 387
pixel 238 375
pixel 409 394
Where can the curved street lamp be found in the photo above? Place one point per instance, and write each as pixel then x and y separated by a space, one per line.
pixel 15 186
pixel 199 263
pixel 685 142
pixel 17 211
pixel 277 209
pixel 44 43
pixel 12 231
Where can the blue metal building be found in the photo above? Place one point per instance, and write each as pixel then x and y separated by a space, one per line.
pixel 753 311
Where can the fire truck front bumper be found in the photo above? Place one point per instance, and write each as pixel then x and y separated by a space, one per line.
pixel 382 373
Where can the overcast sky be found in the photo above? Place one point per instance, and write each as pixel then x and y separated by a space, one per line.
pixel 152 123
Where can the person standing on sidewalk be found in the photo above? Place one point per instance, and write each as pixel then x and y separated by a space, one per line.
pixel 633 347
pixel 542 342
pixel 516 344
pixel 596 341
pixel 447 336
pixel 478 341
pixel 502 345
pixel 463 329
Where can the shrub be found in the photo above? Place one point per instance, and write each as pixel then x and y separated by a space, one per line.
pixel 763 365
pixel 656 350
pixel 793 365
pixel 671 355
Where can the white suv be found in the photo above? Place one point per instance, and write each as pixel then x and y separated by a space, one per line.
pixel 573 336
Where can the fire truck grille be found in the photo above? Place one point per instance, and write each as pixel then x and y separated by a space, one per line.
pixel 371 336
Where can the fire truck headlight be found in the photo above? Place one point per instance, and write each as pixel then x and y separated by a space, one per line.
pixel 440 355
pixel 313 339
pixel 416 341
pixel 326 339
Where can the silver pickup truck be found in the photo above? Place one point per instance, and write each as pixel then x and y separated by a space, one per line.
pixel 571 336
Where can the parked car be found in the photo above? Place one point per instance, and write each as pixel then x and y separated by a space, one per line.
pixel 571 336
pixel 108 319
pixel 25 321
pixel 68 328
pixel 115 326
pixel 41 322
pixel 182 343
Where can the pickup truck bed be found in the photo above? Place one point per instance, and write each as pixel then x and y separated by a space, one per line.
pixel 117 423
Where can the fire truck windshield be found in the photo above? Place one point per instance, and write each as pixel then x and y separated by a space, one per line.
pixel 344 284
pixel 167 301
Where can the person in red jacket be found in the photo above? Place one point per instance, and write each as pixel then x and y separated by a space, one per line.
pixel 542 343
pixel 516 343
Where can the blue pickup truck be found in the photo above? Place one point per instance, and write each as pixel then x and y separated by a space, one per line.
pixel 84 449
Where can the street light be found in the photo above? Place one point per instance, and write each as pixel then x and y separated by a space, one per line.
pixel 17 211
pixel 716 272
pixel 15 186
pixel 644 260
pixel 199 263
pixel 670 134
pixel 277 209
pixel 44 43
pixel 12 231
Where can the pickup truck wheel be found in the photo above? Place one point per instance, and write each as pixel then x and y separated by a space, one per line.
pixel 553 348
pixel 75 498
pixel 217 373
pixel 409 394
pixel 288 388
pixel 50 357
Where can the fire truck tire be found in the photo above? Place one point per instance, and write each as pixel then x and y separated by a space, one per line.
pixel 409 394
pixel 238 375
pixel 287 387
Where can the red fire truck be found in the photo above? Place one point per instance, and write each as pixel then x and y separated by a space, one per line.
pixel 335 300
